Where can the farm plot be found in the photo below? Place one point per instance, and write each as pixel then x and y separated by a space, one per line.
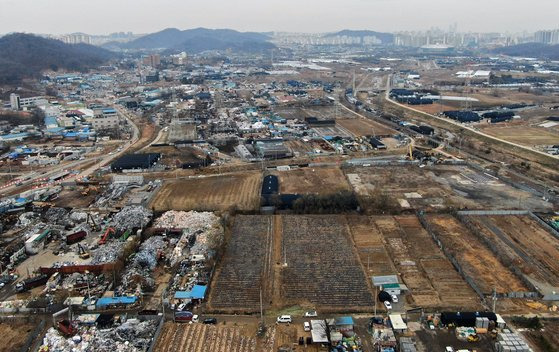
pixel 363 127
pixel 14 335
pixel 428 274
pixel 522 242
pixel 321 267
pixel 202 337
pixel 210 193
pixel 312 180
pixel 476 260
pixel 370 247
pixel 246 266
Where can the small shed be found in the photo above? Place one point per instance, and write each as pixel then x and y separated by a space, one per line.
pixel 398 324
pixel 344 323
pixel 318 331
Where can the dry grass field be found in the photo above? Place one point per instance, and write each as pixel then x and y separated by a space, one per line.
pixel 14 335
pixel 312 180
pixel 525 135
pixel 362 127
pixel 210 193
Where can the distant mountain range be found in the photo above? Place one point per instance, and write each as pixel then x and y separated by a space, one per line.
pixel 199 40
pixel 535 50
pixel 26 55
pixel 385 38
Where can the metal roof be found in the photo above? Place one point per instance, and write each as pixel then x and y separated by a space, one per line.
pixel 384 280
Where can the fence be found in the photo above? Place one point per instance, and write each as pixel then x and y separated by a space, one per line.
pixel 157 333
pixel 96 269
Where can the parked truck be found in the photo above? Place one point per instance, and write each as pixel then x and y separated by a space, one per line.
pixel 30 283
pixel 75 237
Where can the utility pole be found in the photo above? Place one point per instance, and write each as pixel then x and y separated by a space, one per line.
pixel 261 308
pixel 494 299
pixel 375 300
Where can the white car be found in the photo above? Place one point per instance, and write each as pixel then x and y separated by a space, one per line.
pixel 387 305
pixel 449 349
pixel 181 307
pixel 311 313
pixel 195 318
pixel 284 319
pixel 394 299
pixel 307 326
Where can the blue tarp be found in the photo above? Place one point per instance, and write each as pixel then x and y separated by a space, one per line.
pixel 106 301
pixel 344 321
pixel 197 292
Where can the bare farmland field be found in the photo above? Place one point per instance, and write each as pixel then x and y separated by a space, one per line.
pixel 370 246
pixel 210 193
pixel 312 180
pixel 246 266
pixel 477 260
pixel 322 268
pixel 522 242
pixel 363 127
pixel 440 187
pixel 202 337
pixel 429 275
pixel 14 335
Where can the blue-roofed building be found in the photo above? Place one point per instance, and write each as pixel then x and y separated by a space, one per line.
pixel 14 136
pixel 105 302
pixel 197 292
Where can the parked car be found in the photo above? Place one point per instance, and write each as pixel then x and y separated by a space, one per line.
pixel 387 305
pixel 311 313
pixel 284 319
pixel 307 326
pixel 449 349
pixel 211 321
pixel 394 298
pixel 181 307
pixel 195 318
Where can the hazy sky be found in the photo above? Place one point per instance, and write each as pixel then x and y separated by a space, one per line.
pixel 142 16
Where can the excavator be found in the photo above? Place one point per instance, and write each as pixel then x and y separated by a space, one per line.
pixel 106 235
pixel 83 254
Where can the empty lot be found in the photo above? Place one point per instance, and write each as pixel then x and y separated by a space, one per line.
pixel 363 127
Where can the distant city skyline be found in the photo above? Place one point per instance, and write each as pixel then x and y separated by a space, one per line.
pixel 312 16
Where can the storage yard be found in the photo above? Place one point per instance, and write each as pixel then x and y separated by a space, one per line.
pixel 210 193
pixel 317 180
pixel 202 337
pixel 426 271
pixel 526 245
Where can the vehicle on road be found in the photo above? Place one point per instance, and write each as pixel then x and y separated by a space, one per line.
pixel 394 298
pixel 311 313
pixel 284 319
pixel 387 305
pixel 211 321
pixel 307 326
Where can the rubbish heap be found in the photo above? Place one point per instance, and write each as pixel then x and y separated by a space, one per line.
pixel 131 336
pixel 57 216
pixel 138 273
pixel 107 253
pixel 132 217
pixel 204 226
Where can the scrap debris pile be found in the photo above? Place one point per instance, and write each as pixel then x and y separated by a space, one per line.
pixel 201 228
pixel 131 336
pixel 107 253
pixel 138 272
pixel 131 217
